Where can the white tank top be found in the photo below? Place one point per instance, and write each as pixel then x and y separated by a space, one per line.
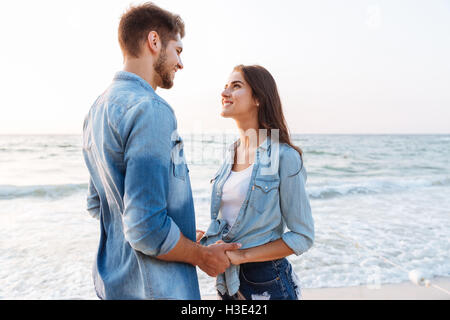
pixel 233 194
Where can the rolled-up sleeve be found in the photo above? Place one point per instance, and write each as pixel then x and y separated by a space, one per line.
pixel 294 202
pixel 146 134
pixel 93 201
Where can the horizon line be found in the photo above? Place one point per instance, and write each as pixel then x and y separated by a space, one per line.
pixel 215 132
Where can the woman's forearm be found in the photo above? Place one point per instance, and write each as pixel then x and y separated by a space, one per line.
pixel 266 252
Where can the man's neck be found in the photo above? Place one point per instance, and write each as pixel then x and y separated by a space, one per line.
pixel 143 68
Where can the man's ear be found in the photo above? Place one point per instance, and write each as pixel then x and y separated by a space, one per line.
pixel 153 42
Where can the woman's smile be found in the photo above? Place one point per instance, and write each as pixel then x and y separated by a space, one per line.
pixel 226 103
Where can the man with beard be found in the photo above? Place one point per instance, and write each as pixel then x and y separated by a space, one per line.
pixel 139 185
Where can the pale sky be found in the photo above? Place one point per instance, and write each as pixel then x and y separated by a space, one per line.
pixel 351 66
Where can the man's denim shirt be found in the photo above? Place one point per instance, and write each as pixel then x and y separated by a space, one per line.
pixel 276 198
pixel 140 191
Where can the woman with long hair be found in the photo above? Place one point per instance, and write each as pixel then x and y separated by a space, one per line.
pixel 259 191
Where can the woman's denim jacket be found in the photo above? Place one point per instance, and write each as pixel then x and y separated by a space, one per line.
pixel 276 198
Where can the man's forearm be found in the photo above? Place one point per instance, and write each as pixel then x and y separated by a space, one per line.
pixel 184 251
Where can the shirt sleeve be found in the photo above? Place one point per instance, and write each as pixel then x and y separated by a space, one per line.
pixel 93 201
pixel 146 133
pixel 294 202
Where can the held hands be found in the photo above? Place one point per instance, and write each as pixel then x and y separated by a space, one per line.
pixel 236 257
pixel 218 256
pixel 214 259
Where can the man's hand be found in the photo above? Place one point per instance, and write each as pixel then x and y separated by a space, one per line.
pixel 214 259
pixel 236 257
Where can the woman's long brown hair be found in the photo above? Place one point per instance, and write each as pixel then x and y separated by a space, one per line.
pixel 270 112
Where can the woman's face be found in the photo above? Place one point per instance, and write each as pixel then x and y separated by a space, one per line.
pixel 237 99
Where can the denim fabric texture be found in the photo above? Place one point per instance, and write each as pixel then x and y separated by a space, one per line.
pixel 140 191
pixel 276 199
pixel 269 280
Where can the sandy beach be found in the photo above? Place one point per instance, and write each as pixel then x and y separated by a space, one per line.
pixel 400 291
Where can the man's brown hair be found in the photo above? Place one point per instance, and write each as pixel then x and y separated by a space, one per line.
pixel 138 21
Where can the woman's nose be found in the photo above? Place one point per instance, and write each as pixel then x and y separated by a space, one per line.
pixel 225 93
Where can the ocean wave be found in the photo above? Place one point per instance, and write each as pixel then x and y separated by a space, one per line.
pixel 443 182
pixel 333 192
pixel 372 187
pixel 323 153
pixel 41 191
pixel 314 192
pixel 13 149
pixel 340 169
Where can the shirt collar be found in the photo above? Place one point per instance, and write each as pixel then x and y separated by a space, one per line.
pixel 128 76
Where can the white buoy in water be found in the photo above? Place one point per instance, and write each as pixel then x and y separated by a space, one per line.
pixel 417 277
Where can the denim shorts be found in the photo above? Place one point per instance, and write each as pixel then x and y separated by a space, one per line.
pixel 269 280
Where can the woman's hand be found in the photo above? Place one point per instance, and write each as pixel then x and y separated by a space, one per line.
pixel 199 235
pixel 236 257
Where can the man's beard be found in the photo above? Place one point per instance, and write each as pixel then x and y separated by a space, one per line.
pixel 163 70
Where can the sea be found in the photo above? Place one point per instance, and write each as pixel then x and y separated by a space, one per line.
pixel 380 203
